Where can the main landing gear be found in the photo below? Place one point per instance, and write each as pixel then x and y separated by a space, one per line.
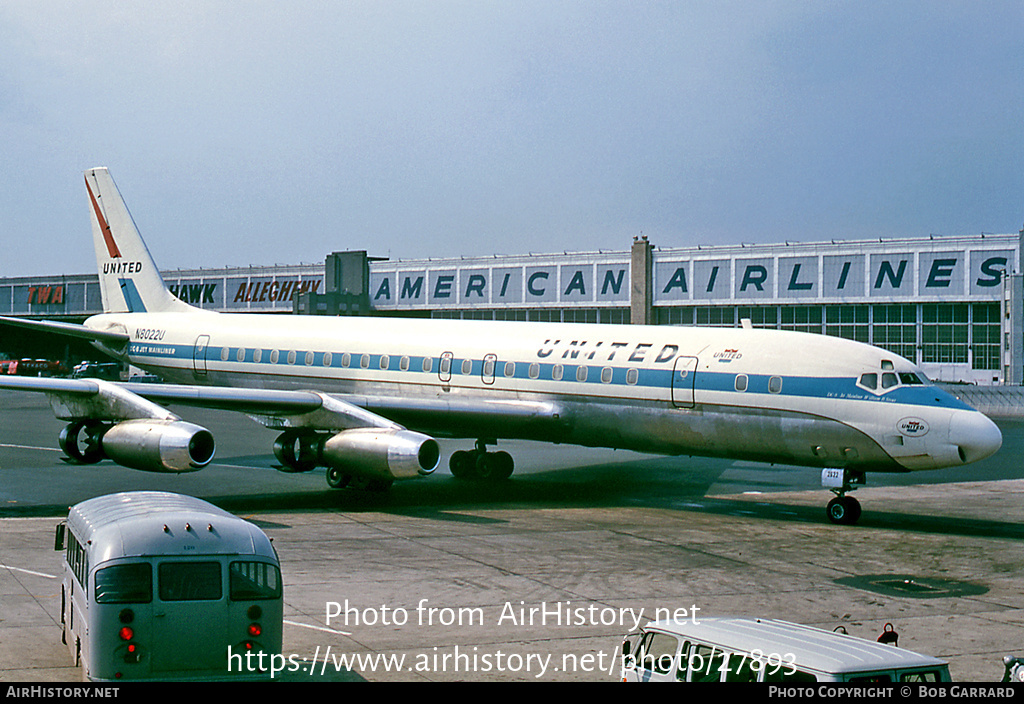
pixel 478 463
pixel 843 509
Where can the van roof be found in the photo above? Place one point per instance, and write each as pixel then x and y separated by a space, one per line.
pixel 813 648
pixel 160 523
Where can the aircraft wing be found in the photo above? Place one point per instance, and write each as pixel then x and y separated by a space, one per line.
pixel 110 337
pixel 298 409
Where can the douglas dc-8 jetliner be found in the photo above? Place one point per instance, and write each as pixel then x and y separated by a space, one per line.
pixel 365 397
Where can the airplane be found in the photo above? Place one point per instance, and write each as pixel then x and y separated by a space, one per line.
pixel 366 397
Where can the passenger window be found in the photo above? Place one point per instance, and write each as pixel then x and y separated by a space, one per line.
pixel 309 359
pixel 403 364
pixel 510 369
pixel 632 376
pixel 581 373
pixel 775 385
pixel 556 372
pixel 741 382
pixel 225 352
pixel 274 356
pixel 428 364
pixel 240 355
pixel 467 366
pixel 385 361
pixel 346 360
pixel 257 355
pixel 869 381
pixel 291 356
pixel 364 361
pixel 606 375
pixel 889 380
pixel 327 359
pixel 534 371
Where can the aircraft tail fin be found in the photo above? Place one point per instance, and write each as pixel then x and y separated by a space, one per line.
pixel 129 279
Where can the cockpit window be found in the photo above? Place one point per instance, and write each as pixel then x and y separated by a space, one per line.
pixel 869 381
pixel 910 379
pixel 889 380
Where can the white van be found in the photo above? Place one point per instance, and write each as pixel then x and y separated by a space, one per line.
pixel 726 649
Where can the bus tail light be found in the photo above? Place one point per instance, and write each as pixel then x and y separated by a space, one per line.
pixel 126 633
pixel 255 630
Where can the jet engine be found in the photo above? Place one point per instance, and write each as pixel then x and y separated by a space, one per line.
pixel 151 445
pixel 381 453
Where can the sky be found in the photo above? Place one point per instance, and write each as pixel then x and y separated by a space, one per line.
pixel 248 132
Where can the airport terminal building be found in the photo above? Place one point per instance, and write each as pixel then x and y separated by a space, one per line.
pixel 952 304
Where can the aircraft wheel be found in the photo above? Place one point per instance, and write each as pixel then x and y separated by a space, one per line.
pixel 504 465
pixel 843 510
pixel 337 479
pixel 461 464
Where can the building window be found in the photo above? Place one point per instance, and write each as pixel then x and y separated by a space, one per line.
pixel 716 316
pixel 674 316
pixel 944 333
pixel 801 318
pixel 985 344
pixel 894 328
pixel 848 322
pixel 759 316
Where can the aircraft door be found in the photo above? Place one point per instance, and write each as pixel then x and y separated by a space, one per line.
pixel 444 369
pixel 199 355
pixel 684 377
pixel 487 370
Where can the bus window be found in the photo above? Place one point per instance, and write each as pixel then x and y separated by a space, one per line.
pixel 743 668
pixel 251 581
pixel 125 584
pixel 787 674
pixel 707 662
pixel 189 581
pixel 921 676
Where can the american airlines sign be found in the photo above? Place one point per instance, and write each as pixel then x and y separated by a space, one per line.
pixel 906 274
pixel 901 269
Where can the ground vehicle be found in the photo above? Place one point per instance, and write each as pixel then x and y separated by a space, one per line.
pixel 160 585
pixel 31 367
pixel 726 649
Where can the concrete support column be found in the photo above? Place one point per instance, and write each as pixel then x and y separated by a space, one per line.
pixel 640 282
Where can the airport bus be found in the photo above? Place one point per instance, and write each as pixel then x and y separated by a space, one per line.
pixel 165 586
pixel 728 649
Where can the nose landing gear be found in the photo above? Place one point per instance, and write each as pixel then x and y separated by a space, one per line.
pixel 843 509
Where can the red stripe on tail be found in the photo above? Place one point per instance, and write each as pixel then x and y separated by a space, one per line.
pixel 112 249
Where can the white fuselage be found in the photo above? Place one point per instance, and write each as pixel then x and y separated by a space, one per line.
pixel 766 395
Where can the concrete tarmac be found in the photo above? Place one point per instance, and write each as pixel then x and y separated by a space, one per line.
pixel 538 578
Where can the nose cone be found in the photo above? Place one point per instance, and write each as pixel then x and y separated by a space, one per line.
pixel 975 436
